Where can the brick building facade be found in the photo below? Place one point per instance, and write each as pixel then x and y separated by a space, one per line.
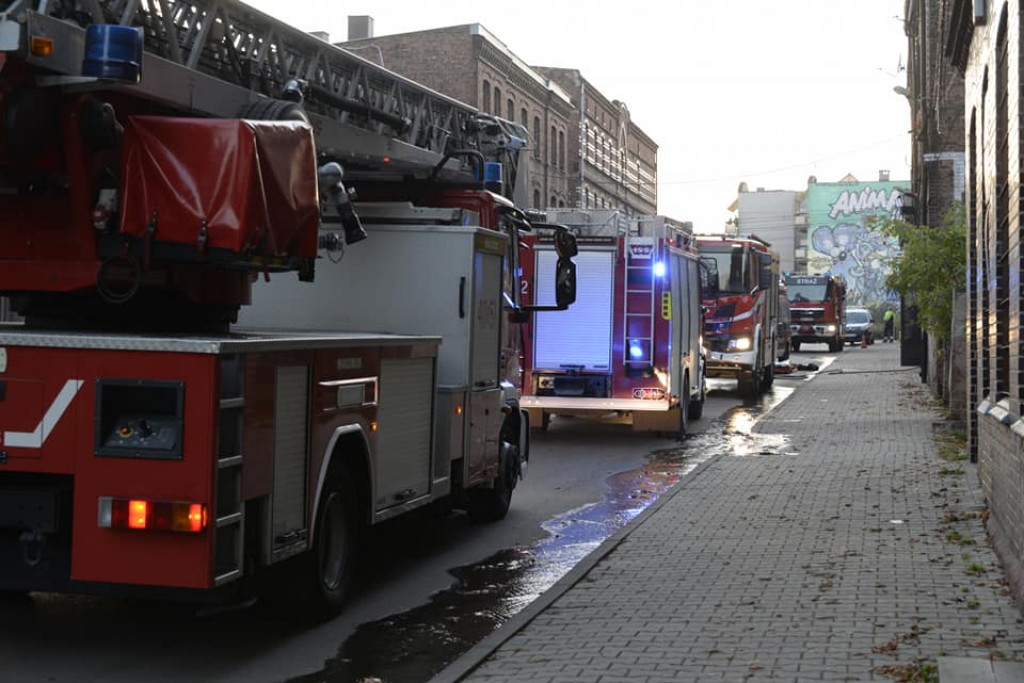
pixel 618 166
pixel 984 41
pixel 935 93
pixel 471 65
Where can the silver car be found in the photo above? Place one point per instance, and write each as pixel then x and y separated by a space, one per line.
pixel 859 323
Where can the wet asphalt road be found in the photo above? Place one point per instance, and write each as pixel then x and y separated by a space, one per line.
pixel 431 587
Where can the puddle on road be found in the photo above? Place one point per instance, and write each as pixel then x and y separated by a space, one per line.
pixel 415 645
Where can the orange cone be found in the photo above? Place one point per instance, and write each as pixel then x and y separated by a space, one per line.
pixel 864 340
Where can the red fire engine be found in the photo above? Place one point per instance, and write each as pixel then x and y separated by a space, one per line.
pixel 740 277
pixel 818 310
pixel 630 345
pixel 149 448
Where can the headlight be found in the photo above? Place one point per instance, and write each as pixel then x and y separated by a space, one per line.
pixel 740 343
pixel 830 328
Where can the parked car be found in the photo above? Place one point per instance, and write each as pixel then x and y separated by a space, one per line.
pixel 859 323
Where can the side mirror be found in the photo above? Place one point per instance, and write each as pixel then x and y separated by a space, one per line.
pixel 565 282
pixel 565 244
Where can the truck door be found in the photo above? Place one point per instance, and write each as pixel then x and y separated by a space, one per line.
pixel 485 355
pixel 582 335
pixel 685 319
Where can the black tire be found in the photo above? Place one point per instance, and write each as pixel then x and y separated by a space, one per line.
pixel 769 378
pixel 684 410
pixel 273 110
pixel 796 346
pixel 751 386
pixel 492 504
pixel 327 572
pixel 696 407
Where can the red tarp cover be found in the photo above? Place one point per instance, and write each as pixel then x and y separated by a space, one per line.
pixel 253 182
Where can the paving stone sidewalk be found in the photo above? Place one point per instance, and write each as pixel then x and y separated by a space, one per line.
pixel 851 553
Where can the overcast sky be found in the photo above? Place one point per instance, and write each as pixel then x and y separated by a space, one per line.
pixel 763 91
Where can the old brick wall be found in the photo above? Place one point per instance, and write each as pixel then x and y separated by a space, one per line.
pixel 468 64
pixel 993 132
pixel 1001 469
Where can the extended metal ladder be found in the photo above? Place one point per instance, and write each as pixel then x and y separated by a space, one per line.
pixel 217 57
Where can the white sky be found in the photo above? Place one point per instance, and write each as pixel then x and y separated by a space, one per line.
pixel 763 91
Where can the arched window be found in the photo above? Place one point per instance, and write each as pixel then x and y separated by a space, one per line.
pixel 552 149
pixel 497 101
pixel 536 138
pixel 524 117
pixel 561 149
pixel 554 202
pixel 536 199
pixel 485 100
pixel 510 110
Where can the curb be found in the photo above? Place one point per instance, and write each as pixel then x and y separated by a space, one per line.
pixel 472 658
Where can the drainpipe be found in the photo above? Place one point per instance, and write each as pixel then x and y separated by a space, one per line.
pixel 583 143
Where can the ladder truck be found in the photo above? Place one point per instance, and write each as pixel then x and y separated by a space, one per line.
pixel 740 277
pixel 630 347
pixel 166 165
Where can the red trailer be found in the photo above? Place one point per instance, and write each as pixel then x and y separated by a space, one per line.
pixel 630 346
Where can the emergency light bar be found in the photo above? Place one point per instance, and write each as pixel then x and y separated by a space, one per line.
pixel 151 515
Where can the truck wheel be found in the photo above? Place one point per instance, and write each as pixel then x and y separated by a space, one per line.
pixel 490 505
pixel 328 570
pixel 769 378
pixel 796 346
pixel 684 410
pixel 696 406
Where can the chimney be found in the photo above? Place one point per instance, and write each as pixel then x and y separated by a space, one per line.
pixel 322 35
pixel 360 28
pixel 883 175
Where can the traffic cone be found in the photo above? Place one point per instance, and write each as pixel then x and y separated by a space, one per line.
pixel 864 340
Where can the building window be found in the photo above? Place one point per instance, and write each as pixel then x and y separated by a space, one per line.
pixel 536 199
pixel 536 137
pixel 554 202
pixel 524 118
pixel 485 99
pixel 511 107
pixel 497 101
pixel 1001 245
pixel 561 149
pixel 552 149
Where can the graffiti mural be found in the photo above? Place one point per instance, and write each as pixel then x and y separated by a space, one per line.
pixel 842 240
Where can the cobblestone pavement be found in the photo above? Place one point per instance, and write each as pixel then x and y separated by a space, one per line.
pixel 854 553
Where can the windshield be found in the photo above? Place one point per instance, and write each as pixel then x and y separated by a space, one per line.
pixel 722 272
pixel 857 317
pixel 809 292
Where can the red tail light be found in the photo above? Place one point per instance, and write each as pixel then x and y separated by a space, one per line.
pixel 151 515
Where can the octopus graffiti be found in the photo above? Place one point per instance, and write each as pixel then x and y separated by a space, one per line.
pixel 843 241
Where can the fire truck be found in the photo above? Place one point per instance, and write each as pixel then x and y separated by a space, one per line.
pixel 161 166
pixel 740 278
pixel 818 310
pixel 630 346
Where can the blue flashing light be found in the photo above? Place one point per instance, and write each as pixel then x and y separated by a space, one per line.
pixel 113 52
pixel 659 269
pixel 492 176
pixel 636 351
